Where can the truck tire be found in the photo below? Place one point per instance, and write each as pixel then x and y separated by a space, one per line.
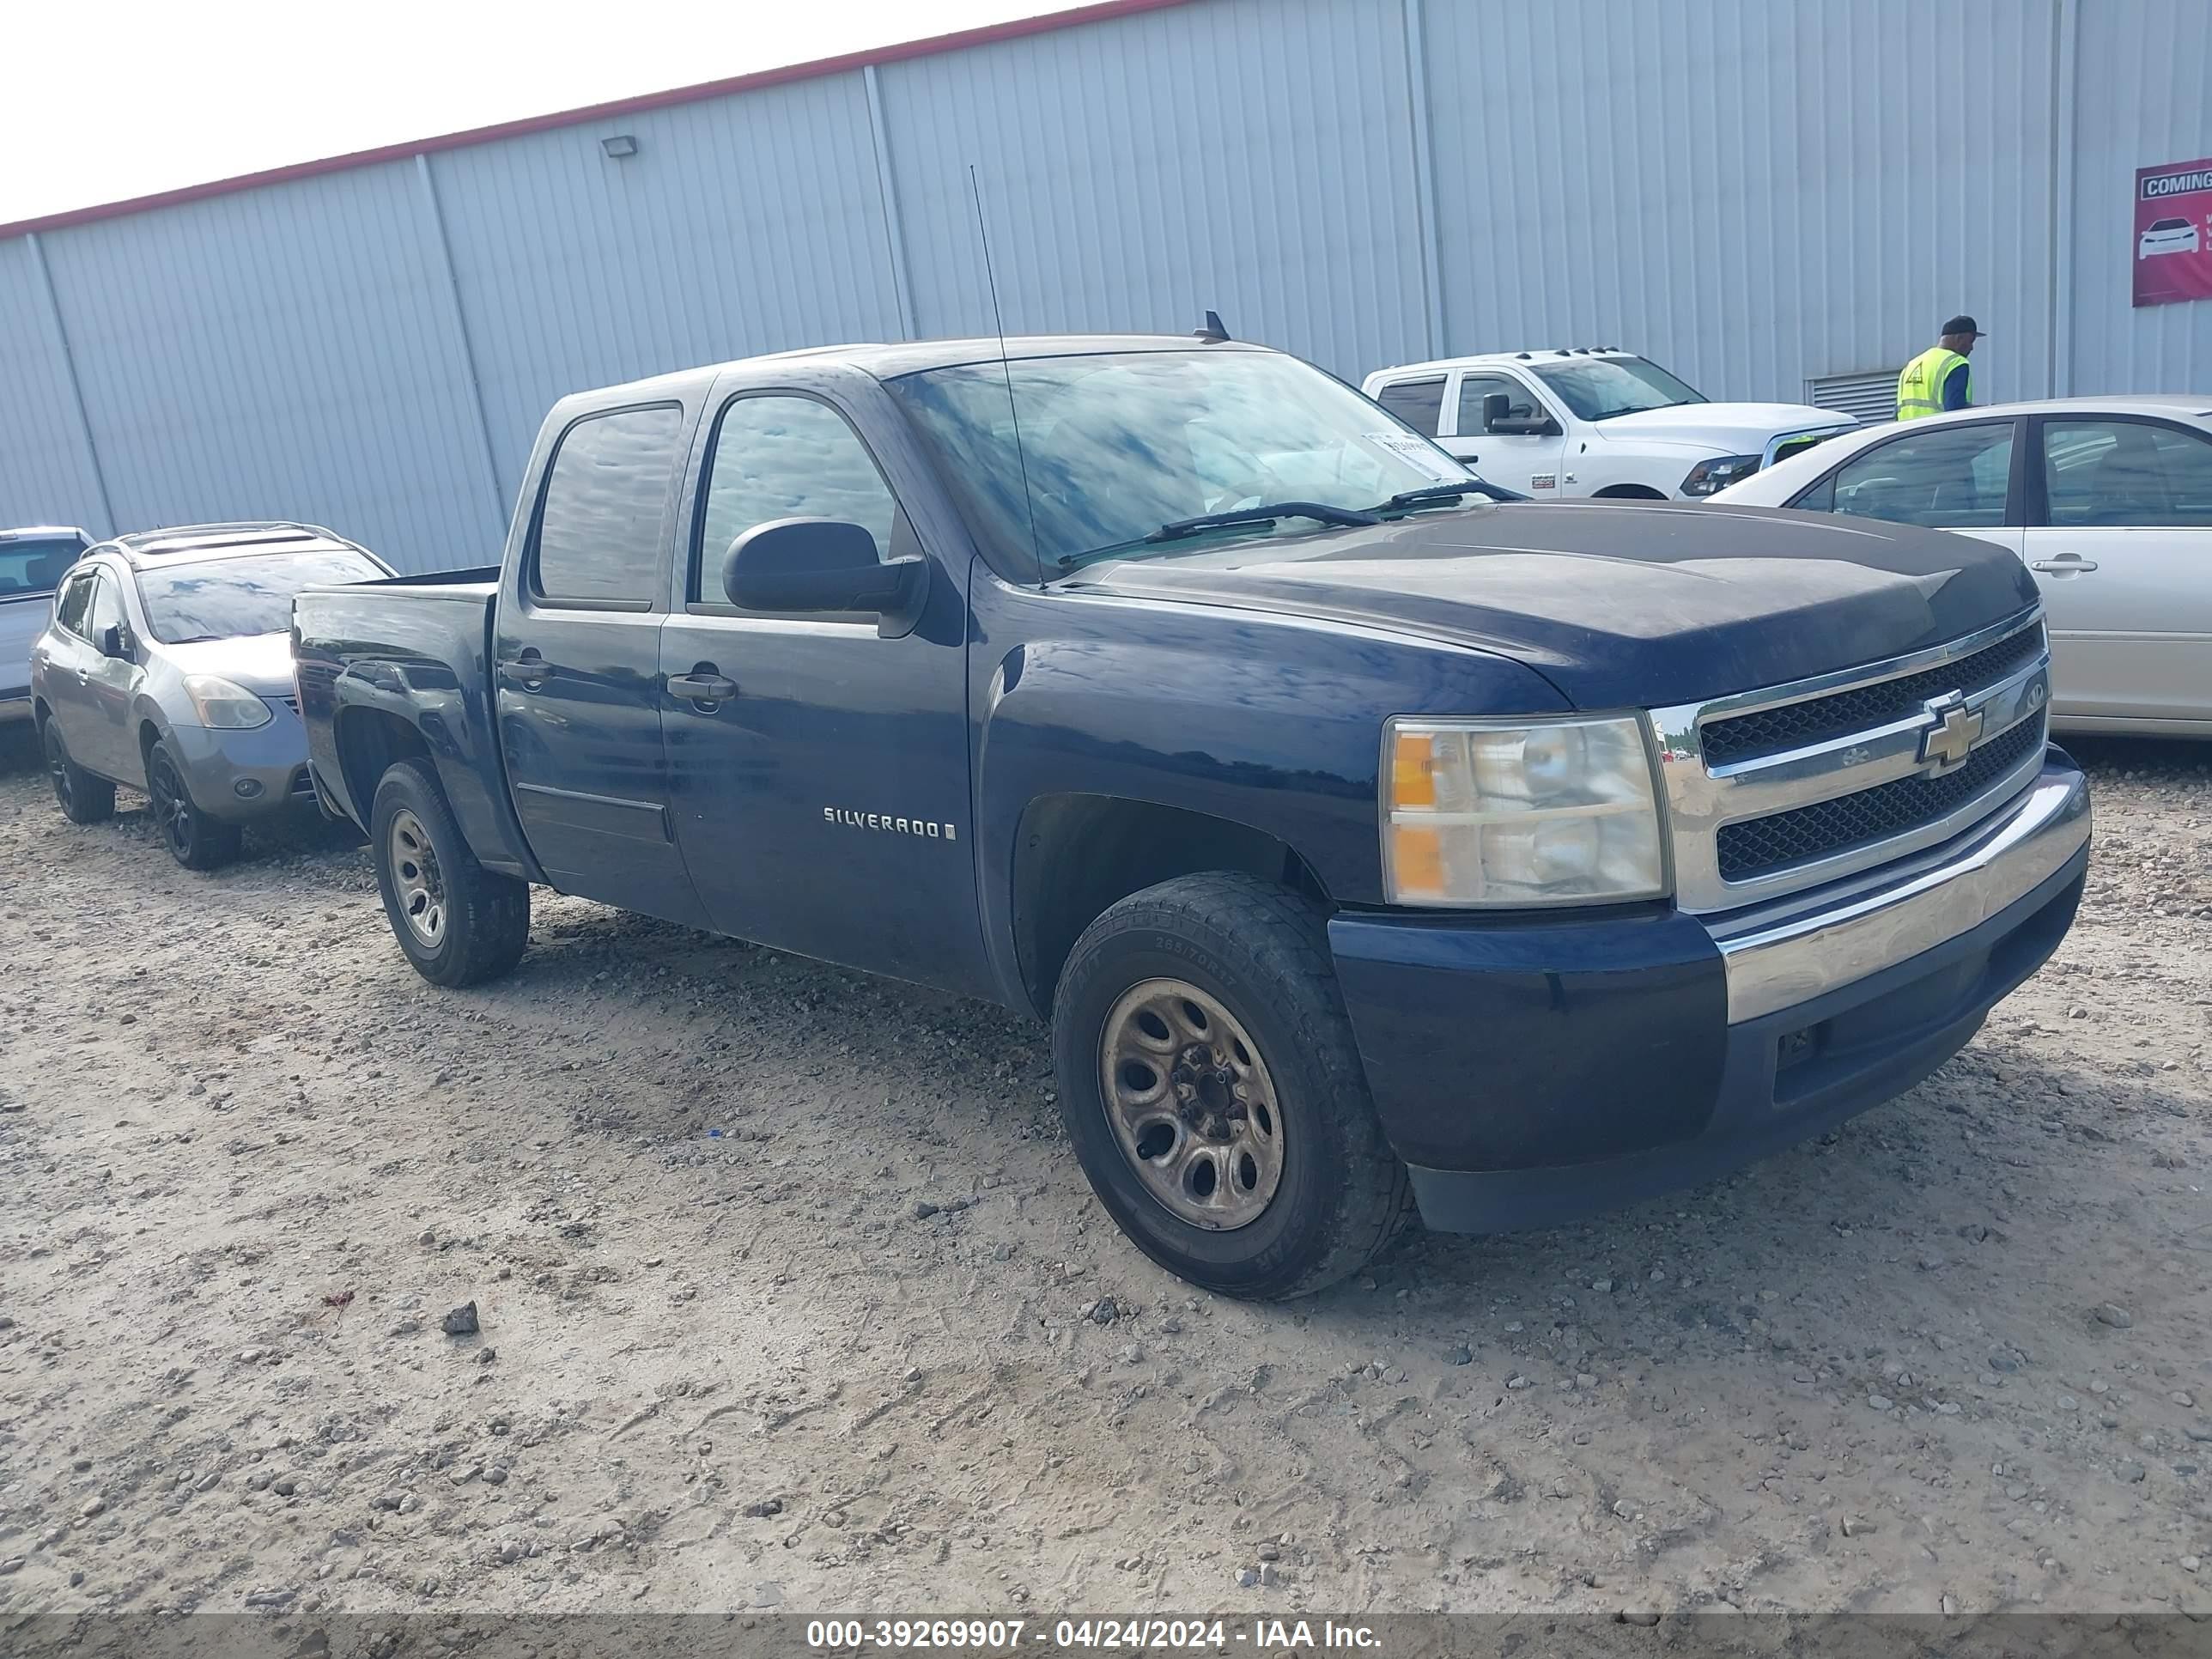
pixel 83 798
pixel 460 923
pixel 1214 1094
pixel 194 840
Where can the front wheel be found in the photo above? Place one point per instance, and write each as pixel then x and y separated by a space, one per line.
pixel 1214 1094
pixel 458 923
pixel 194 840
pixel 83 798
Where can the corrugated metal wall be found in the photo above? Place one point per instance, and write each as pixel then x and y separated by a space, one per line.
pixel 1759 195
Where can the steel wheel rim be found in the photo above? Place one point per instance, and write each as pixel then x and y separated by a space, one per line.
pixel 415 879
pixel 173 808
pixel 1192 1105
pixel 58 767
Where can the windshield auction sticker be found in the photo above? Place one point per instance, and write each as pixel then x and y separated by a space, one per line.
pixel 1416 451
pixel 2172 243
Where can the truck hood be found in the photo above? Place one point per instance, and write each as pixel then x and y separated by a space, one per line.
pixel 262 663
pixel 1724 429
pixel 1619 605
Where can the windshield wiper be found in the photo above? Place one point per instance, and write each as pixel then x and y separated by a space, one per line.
pixel 1266 513
pixel 1411 498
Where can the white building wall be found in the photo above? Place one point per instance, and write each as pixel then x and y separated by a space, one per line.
pixel 1757 194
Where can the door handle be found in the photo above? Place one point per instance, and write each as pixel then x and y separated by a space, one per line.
pixel 527 670
pixel 705 686
pixel 2067 565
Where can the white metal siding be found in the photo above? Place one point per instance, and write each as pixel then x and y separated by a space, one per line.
pixel 45 475
pixel 1249 156
pixel 1754 194
pixel 2144 99
pixel 1763 197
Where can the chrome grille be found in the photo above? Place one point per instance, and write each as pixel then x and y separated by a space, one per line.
pixel 1795 724
pixel 1773 790
pixel 1755 846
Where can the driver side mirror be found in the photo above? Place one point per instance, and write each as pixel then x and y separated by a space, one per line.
pixel 114 641
pixel 823 567
pixel 1497 415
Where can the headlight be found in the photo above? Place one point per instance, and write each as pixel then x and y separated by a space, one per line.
pixel 225 707
pixel 1719 473
pixel 1475 813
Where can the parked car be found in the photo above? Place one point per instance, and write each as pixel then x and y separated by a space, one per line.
pixel 32 560
pixel 1356 836
pixel 2109 500
pixel 1601 423
pixel 168 668
pixel 2167 236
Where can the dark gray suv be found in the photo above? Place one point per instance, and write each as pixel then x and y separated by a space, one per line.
pixel 168 668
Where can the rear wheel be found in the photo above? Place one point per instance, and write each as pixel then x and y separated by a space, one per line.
pixel 194 840
pixel 1213 1091
pixel 460 923
pixel 83 798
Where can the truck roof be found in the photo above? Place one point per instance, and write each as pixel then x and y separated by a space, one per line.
pixel 40 531
pixel 1491 359
pixel 888 360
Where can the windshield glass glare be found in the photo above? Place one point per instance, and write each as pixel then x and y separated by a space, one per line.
pixel 1598 388
pixel 1119 444
pixel 230 599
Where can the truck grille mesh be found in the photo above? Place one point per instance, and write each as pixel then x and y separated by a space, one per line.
pixel 1757 846
pixel 1793 726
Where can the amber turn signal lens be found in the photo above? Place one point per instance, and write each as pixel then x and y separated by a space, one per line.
pixel 1413 769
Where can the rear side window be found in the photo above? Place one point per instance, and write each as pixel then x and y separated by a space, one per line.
pixel 2101 473
pixel 34 566
pixel 1419 403
pixel 599 531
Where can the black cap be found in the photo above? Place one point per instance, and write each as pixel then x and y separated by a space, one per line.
pixel 1961 325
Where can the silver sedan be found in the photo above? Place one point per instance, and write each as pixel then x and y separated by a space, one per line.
pixel 2109 500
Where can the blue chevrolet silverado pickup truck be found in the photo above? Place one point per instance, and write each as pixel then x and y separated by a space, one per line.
pixel 1367 840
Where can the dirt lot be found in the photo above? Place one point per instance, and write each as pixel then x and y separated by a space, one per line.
pixel 791 1296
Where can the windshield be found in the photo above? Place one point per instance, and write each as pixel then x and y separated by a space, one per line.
pixel 230 599
pixel 32 566
pixel 1118 444
pixel 1598 388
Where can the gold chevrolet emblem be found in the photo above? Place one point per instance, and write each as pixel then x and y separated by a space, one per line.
pixel 1952 739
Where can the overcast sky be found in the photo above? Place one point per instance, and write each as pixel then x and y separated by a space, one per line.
pixel 110 98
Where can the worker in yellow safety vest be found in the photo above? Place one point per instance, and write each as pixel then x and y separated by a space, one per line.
pixel 1940 378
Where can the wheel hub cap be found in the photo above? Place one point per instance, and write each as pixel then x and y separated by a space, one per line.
pixel 416 880
pixel 1192 1105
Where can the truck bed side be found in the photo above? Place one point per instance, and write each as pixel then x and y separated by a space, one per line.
pixel 393 669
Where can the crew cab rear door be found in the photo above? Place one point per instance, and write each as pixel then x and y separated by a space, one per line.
pixel 818 770
pixel 577 658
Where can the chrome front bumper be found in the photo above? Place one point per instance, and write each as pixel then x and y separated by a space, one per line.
pixel 1795 950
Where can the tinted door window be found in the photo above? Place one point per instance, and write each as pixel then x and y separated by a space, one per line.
pixel 106 610
pixel 786 457
pixel 1474 388
pixel 2116 473
pixel 75 601
pixel 1953 479
pixel 1419 403
pixel 599 532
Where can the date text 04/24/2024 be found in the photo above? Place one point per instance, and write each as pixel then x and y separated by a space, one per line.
pixel 1006 1635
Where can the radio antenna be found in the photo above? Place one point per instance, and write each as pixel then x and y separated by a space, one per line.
pixel 1006 372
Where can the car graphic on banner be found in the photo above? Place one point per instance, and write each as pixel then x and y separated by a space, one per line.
pixel 2173 233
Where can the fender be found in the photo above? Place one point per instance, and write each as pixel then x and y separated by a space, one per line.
pixel 1268 721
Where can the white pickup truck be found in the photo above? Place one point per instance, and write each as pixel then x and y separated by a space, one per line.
pixel 1597 422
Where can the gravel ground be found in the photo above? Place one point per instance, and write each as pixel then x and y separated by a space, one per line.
pixel 791 1296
